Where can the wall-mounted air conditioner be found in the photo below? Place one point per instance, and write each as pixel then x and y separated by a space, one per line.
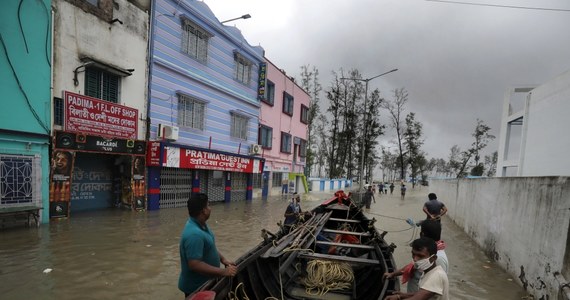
pixel 168 132
pixel 255 149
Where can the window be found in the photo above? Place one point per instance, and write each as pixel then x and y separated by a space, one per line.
pixel 269 93
pixel 239 126
pixel 102 85
pixel 190 112
pixel 288 103
pixel 195 41
pixel 257 180
pixel 304 114
pixel 218 177
pixel 285 142
pixel 276 179
pixel 242 68
pixel 21 180
pixel 265 136
pixel 303 148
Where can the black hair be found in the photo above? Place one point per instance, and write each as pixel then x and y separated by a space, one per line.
pixel 425 243
pixel 431 229
pixel 196 203
pixel 432 196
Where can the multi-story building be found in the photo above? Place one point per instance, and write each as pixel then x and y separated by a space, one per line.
pixel 99 90
pixel 25 67
pixel 203 107
pixel 283 133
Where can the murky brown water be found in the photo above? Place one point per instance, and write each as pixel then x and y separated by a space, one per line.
pixel 116 254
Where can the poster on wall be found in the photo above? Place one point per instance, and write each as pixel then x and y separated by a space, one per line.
pixel 138 183
pixel 60 183
pixel 175 157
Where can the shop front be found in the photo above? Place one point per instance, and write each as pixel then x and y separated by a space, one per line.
pixel 97 162
pixel 178 171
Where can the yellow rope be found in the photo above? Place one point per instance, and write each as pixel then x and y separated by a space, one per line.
pixel 324 276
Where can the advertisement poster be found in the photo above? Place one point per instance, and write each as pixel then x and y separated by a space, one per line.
pixel 60 183
pixel 138 183
pixel 198 159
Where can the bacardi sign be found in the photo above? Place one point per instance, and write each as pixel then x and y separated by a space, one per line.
pixel 89 115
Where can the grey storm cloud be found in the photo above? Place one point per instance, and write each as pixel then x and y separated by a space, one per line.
pixel 456 61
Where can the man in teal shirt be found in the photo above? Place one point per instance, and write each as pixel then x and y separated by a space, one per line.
pixel 199 257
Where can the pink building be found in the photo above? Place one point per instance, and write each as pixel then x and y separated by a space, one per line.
pixel 283 119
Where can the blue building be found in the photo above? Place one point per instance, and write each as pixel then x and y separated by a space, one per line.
pixel 203 107
pixel 25 124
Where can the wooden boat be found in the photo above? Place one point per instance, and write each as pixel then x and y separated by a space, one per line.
pixel 335 254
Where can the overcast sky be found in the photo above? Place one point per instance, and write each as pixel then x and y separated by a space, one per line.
pixel 456 61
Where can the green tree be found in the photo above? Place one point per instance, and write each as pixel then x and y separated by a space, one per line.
pixel 491 164
pixel 310 83
pixel 413 141
pixel 482 138
pixel 395 110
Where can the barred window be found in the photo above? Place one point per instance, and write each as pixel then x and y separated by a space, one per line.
pixel 190 112
pixel 195 41
pixel 265 136
pixel 269 93
pixel 239 126
pixel 288 101
pixel 257 180
pixel 242 69
pixel 304 114
pixel 276 179
pixel 102 85
pixel 285 142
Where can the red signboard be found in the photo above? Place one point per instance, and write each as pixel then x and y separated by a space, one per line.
pixel 196 159
pixel 153 154
pixel 90 115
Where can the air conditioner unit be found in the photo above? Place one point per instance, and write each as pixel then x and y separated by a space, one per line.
pixel 255 149
pixel 168 132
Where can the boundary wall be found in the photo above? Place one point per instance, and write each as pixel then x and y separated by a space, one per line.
pixel 520 222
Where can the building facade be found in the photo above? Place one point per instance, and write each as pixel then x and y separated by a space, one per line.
pixel 203 107
pixel 99 105
pixel 25 120
pixel 283 133
pixel 532 141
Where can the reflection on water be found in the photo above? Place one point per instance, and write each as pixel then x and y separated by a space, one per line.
pixel 116 254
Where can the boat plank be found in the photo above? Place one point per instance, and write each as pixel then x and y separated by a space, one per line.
pixel 346 232
pixel 344 220
pixel 341 258
pixel 345 245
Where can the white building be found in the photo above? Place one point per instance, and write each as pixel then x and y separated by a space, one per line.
pixel 533 139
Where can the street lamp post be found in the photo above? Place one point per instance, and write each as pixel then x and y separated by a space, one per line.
pixel 365 125
pixel 246 16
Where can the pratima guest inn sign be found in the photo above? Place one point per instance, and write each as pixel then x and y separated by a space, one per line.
pixel 175 157
pixel 90 115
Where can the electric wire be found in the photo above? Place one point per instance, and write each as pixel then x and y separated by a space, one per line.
pixel 22 29
pixel 47 31
pixel 34 113
pixel 501 6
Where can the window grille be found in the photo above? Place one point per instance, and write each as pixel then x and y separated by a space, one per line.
pixel 58 111
pixel 269 93
pixel 190 112
pixel 304 114
pixel 276 179
pixel 21 180
pixel 285 142
pixel 288 101
pixel 239 126
pixel 242 70
pixel 266 136
pixel 195 41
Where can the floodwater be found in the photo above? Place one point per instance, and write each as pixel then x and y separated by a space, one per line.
pixel 118 254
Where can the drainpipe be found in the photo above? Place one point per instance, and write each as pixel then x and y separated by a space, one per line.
pixel 563 285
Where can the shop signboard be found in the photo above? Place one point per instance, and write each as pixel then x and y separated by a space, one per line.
pixel 198 159
pixel 90 115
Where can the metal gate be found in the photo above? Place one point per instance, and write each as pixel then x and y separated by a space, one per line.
pixel 239 186
pixel 175 187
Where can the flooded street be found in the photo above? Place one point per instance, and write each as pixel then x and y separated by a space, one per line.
pixel 114 254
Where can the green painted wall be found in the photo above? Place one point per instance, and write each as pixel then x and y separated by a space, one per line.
pixel 25 77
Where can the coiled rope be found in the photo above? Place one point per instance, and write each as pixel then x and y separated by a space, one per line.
pixel 324 276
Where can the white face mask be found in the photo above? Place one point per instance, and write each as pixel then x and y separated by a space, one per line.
pixel 423 264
